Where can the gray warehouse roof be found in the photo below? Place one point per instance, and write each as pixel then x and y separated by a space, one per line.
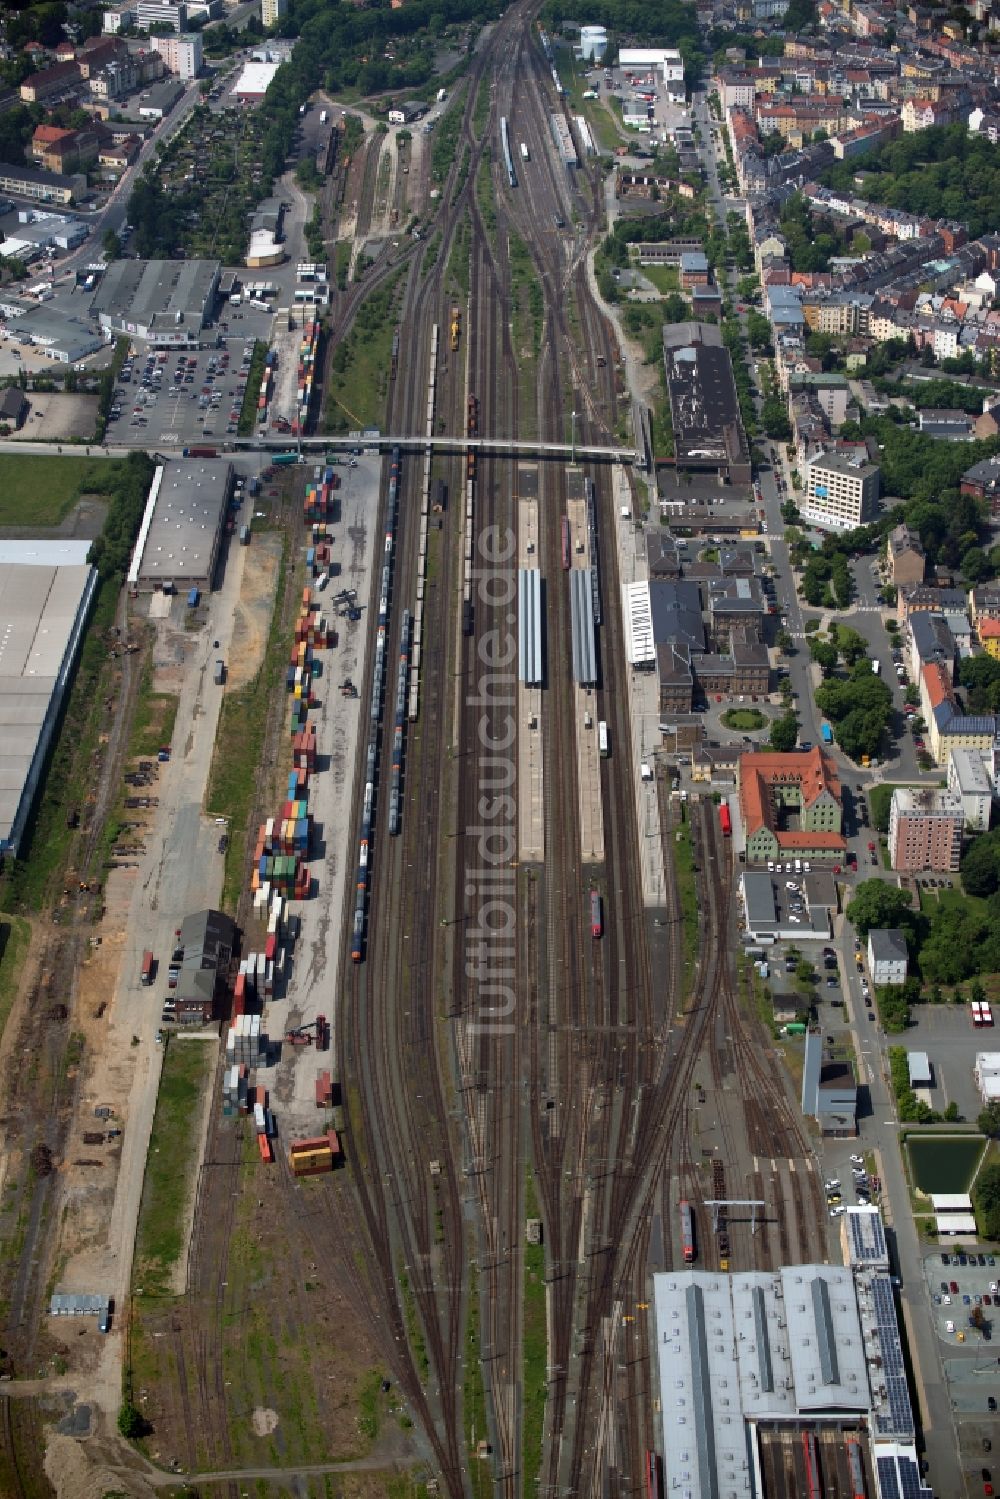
pixel 582 618
pixel 43 606
pixel 179 536
pixel 144 293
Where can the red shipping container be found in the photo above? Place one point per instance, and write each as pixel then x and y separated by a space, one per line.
pixel 271 946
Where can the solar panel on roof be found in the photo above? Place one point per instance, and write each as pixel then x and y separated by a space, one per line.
pixel 888 1482
pixel 909 1478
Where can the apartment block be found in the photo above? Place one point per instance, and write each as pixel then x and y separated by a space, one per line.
pixel 841 492
pixel 272 11
pixel 925 830
pixel 969 781
pixel 182 54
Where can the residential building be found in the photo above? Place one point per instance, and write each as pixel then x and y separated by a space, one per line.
pixel 887 955
pixel 694 270
pixel 841 492
pixel 989 637
pixel 119 18
pixel 928 638
pixel 43 187
pixel 272 12
pixel 57 82
pixel 64 151
pixel 984 603
pixel 969 781
pixel 790 805
pixel 905 556
pixel 925 830
pixel 182 54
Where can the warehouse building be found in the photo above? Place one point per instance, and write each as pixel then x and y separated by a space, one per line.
pixel 208 940
pixel 46 589
pixel 704 406
pixel 165 302
pixel 182 527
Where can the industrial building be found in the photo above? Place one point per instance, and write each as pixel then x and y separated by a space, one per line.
pixel 46 589
pixel 255 80
pixel 829 1090
pixel 165 302
pixel 208 940
pixel 704 406
pixel 786 1383
pixel 593 43
pixel 667 61
pixel 563 137
pixel 182 526
pixel 54 333
pixel 767 911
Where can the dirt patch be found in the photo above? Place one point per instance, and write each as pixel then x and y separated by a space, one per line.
pixel 264 1420
pixel 56 418
pixel 252 619
pixel 78 1471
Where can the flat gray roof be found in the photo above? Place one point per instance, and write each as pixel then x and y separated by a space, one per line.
pixel 529 638
pixel 179 546
pixel 41 607
pixel 148 292
pixel 758 898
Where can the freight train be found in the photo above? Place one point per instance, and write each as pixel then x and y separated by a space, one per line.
pixel 654 1476
pixel 364 859
pixel 398 732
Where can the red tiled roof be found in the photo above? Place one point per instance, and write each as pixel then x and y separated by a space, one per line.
pixel 793 841
pixel 938 687
pixel 810 770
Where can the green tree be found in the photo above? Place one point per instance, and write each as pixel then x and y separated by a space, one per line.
pixel 986 1201
pixel 131 1422
pixel 980 865
pixel 785 733
pixel 988 1120
pixel 877 904
pixel 879 803
pixel 111 245
pixel 951 1113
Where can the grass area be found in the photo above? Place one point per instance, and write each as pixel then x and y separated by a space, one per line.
pixel 474 1394
pixel 446 136
pixel 536 1351
pixel 41 491
pixel 341 263
pixel 666 278
pixel 248 411
pixel 529 308
pixel 601 122
pixel 484 196
pixel 687 890
pixel 414 1331
pixel 481 111
pixel 239 743
pixel 461 176
pixel 154 718
pixel 744 718
pixel 369 1391
pixel 359 369
pixel 173 1146
pixel 354 134
pixel 15 937
pixel 457 275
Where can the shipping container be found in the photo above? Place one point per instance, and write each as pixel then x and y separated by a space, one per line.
pixel 602 739
pixel 147 968
pixel 265 1148
pixel 193 598
pixel 826 733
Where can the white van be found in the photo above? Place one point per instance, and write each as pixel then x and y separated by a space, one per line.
pixel 645 771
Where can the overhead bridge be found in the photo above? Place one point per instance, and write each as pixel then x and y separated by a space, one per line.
pixel 490 447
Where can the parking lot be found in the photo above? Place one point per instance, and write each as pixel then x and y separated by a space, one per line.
pixel 181 397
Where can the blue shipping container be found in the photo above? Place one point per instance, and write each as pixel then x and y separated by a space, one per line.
pixel 193 598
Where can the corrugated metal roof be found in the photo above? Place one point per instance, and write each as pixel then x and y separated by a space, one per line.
pixel 529 637
pixel 582 618
pixel 638 615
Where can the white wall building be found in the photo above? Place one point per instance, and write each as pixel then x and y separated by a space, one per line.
pixel 987 1075
pixel 666 61
pixel 182 55
pixel 968 780
pixel 841 492
pixel 887 956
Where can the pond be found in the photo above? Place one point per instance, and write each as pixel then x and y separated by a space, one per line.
pixel 944 1163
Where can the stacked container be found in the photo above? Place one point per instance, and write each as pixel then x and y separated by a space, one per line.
pixel 246 1044
pixel 315 1156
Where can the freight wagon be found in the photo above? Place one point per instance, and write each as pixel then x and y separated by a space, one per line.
pixel 596 915
pixel 654 1476
pixel 565 545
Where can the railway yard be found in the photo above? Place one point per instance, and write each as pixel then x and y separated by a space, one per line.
pixel 550 1078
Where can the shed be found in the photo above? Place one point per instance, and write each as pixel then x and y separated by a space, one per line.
pixel 956 1223
pixel 919 1064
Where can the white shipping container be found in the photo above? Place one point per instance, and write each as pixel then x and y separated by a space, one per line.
pixel 260 1123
